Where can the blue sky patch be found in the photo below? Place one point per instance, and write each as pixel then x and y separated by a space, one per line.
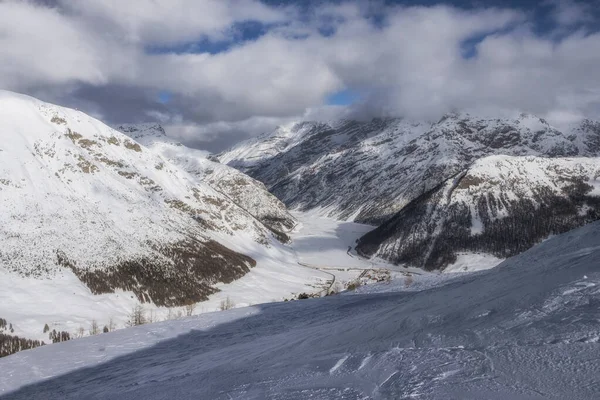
pixel 238 34
pixel 343 98
pixel 164 97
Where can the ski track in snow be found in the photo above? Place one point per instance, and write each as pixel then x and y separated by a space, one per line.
pixel 338 364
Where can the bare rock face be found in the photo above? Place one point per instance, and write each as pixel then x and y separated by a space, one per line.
pixel 397 174
pixel 77 195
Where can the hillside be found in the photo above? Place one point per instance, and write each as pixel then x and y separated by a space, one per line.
pixel 524 330
pixel 500 206
pixel 95 223
pixel 244 191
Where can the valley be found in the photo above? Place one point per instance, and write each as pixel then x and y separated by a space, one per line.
pixel 299 199
pixel 440 193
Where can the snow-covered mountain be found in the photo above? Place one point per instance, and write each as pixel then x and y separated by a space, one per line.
pixel 527 329
pixel 249 193
pixel 371 171
pixel 81 196
pixel 501 205
pixel 93 222
pixel 339 167
pixel 368 171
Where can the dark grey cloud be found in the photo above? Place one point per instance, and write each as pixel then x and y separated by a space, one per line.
pixel 221 141
pixel 113 103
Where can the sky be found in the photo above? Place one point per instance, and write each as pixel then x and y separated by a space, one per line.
pixel 214 72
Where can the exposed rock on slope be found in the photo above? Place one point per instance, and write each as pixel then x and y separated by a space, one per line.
pixel 336 167
pixel 501 205
pixel 244 191
pixel 77 194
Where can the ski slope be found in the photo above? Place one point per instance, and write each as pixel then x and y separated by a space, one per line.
pixel 528 329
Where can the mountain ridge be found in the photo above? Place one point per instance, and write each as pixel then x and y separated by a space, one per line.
pixel 370 171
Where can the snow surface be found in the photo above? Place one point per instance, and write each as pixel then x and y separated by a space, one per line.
pixel 317 243
pixel 466 262
pixel 408 282
pixel 328 245
pixel 325 241
pixel 528 329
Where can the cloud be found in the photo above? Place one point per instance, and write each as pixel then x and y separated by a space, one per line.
pixel 269 76
pixel 169 21
pixel 217 136
pixel 568 12
pixel 417 61
pixel 38 45
pixel 413 65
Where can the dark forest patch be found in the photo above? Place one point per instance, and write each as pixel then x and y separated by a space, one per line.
pixel 11 344
pixel 186 273
pixel 509 226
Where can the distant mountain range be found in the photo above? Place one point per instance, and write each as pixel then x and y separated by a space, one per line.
pixel 460 186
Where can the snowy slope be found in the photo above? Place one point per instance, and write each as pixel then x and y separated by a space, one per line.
pixel 335 168
pixel 246 192
pixel 500 206
pixel 527 329
pixel 93 223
